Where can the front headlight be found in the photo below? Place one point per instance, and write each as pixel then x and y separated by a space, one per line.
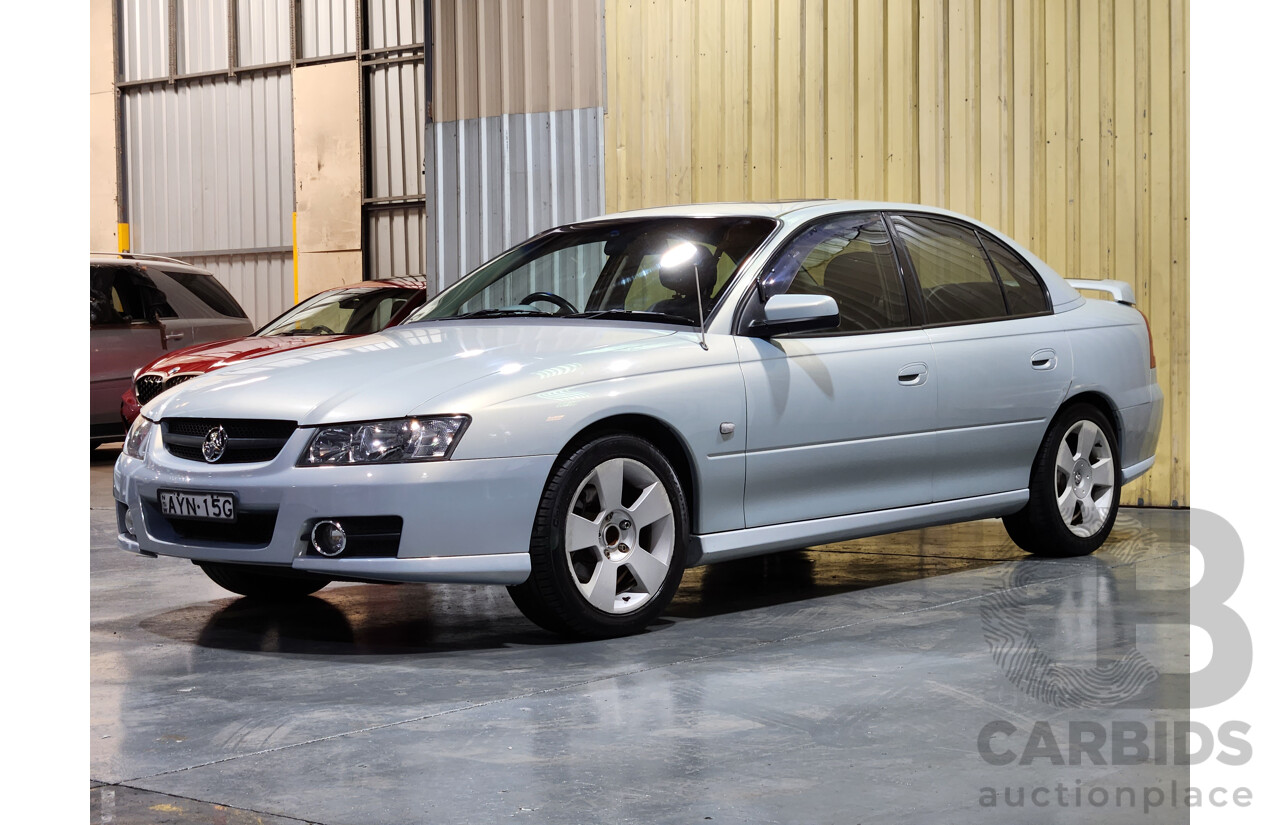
pixel 135 443
pixel 385 442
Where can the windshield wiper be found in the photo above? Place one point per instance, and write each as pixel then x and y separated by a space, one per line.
pixel 636 315
pixel 498 313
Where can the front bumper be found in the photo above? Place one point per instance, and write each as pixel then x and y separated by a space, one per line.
pixel 463 520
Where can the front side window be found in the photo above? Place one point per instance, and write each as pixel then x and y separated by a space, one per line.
pixel 634 269
pixel 850 258
pixel 120 295
pixel 951 266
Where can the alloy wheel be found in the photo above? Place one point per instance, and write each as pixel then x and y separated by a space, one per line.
pixel 619 535
pixel 1085 478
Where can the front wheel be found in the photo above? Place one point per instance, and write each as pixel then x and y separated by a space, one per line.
pixel 261 582
pixel 1074 488
pixel 609 541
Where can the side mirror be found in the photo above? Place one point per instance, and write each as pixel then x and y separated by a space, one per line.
pixel 797 313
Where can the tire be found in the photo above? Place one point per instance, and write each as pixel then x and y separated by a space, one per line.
pixel 261 583
pixel 609 541
pixel 1075 487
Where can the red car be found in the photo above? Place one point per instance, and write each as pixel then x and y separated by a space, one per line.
pixel 341 312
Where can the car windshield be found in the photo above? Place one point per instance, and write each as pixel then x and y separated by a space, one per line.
pixel 356 311
pixel 651 269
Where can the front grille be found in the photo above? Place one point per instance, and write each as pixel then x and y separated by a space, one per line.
pixel 367 536
pixel 250 529
pixel 148 387
pixel 248 439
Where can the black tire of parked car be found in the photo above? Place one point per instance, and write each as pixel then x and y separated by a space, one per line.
pixel 549 597
pixel 261 583
pixel 1038 527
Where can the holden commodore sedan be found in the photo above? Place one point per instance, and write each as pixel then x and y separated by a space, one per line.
pixel 612 401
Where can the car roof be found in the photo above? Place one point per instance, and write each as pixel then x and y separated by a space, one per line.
pixel 405 281
pixel 764 209
pixel 132 259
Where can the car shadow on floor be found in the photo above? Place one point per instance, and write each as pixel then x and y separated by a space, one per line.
pixel 398 620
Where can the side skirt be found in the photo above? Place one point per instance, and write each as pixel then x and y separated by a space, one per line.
pixel 737 544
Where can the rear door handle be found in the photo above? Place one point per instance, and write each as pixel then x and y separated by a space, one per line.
pixel 174 336
pixel 1044 359
pixel 913 375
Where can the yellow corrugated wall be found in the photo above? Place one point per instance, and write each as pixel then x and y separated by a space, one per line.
pixel 1061 122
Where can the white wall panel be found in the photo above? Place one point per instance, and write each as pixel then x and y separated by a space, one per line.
pixel 395 23
pixel 202 36
pixel 397 98
pixel 494 181
pixel 263 31
pixel 326 27
pixel 144 39
pixel 210 164
pixel 396 241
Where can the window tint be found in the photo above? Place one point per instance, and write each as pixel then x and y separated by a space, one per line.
pixel 614 267
pixel 201 295
pixel 1022 289
pixel 354 311
pixel 955 279
pixel 851 259
pixel 115 296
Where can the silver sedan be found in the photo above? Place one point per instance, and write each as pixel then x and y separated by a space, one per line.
pixel 613 401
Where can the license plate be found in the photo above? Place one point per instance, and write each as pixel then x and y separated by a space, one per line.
pixel 203 506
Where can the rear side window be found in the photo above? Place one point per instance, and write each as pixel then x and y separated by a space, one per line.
pixel 851 259
pixel 955 280
pixel 196 295
pixel 1022 289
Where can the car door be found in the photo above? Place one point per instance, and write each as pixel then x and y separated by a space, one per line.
pixel 839 421
pixel 121 338
pixel 1003 364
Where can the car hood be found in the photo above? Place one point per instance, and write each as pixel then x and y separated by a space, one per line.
pixel 218 354
pixel 402 371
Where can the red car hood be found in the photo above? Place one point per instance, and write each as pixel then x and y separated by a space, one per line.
pixel 206 357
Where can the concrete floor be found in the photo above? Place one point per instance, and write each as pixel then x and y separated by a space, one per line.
pixel 848 683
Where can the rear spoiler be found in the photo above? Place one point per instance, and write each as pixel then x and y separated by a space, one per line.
pixel 1121 291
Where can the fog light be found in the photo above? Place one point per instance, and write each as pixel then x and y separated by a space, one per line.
pixel 128 521
pixel 328 538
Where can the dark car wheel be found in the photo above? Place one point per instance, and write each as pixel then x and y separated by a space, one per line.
pixel 261 583
pixel 1075 488
pixel 609 541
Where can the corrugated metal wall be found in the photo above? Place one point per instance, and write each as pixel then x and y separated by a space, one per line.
pixel 396 100
pixel 208 163
pixel 144 39
pixel 263 27
pixel 497 180
pixel 202 35
pixel 326 27
pixel 517 136
pixel 1061 122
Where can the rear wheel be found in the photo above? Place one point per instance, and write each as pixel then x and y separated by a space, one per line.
pixel 1074 488
pixel 261 582
pixel 609 541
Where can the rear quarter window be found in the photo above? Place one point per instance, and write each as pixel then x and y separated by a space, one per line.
pixel 197 295
pixel 1022 289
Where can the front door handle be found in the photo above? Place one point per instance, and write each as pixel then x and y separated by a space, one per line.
pixel 174 336
pixel 1044 359
pixel 913 375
